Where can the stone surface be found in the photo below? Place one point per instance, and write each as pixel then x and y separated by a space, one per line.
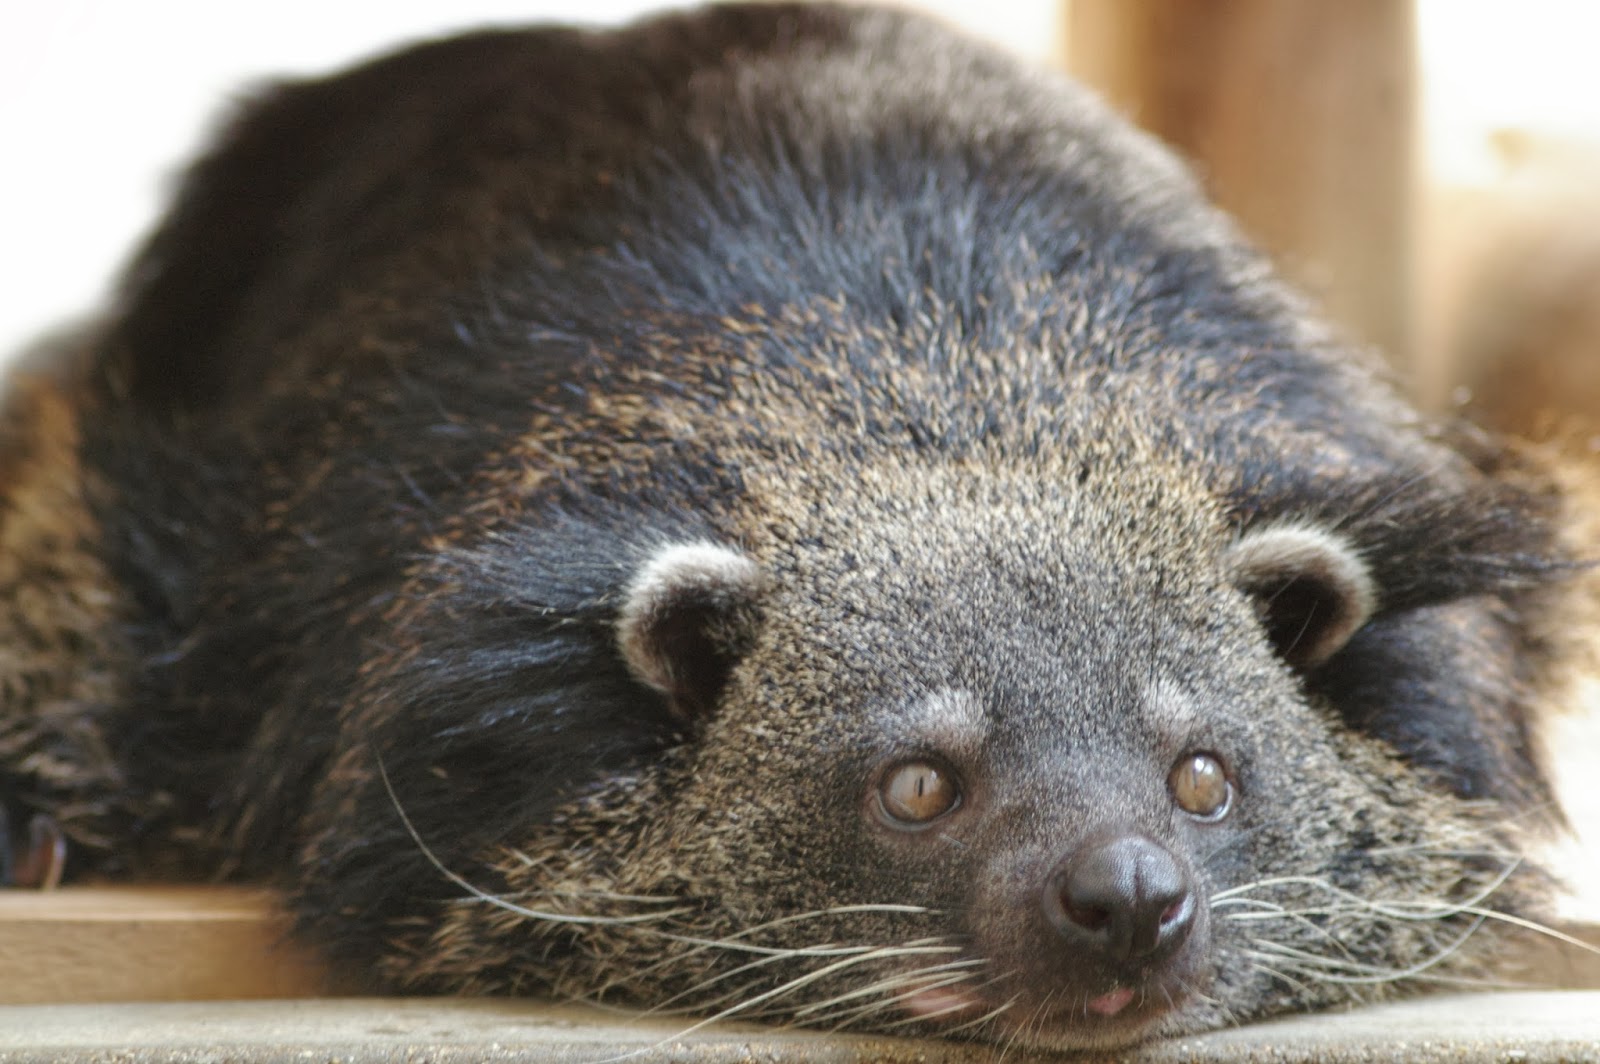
pixel 1525 1028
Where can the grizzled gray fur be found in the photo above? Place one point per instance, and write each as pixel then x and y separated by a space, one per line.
pixel 776 511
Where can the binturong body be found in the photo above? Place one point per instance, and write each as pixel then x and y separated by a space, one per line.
pixel 775 512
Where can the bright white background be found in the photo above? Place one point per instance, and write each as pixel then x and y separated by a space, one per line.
pixel 101 100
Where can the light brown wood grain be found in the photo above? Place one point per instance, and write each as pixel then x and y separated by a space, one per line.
pixel 1299 116
pixel 111 944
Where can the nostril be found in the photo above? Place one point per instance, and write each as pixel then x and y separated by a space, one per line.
pixel 1089 917
pixel 1174 924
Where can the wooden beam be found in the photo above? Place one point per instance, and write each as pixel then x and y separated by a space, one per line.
pixel 110 944
pixel 1299 115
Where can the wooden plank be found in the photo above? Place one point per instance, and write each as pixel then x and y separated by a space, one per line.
pixel 109 944
pixel 86 945
pixel 1300 116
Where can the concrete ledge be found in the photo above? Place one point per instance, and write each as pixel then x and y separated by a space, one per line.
pixel 1527 1027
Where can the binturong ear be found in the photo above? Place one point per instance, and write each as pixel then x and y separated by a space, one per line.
pixel 1310 588
pixel 687 617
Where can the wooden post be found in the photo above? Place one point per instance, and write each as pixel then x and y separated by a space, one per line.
pixel 1300 117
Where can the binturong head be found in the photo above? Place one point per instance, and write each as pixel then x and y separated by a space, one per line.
pixel 1007 746
pixel 1038 750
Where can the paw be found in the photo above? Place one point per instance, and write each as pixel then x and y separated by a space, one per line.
pixel 34 856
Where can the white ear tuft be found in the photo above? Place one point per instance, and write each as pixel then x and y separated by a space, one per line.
pixel 1311 588
pixel 685 618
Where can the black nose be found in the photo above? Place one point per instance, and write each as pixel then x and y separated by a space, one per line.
pixel 1124 897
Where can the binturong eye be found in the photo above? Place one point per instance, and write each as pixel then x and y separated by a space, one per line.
pixel 1200 786
pixel 915 792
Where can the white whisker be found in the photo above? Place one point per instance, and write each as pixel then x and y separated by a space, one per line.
pixel 745 1007
pixel 1329 969
pixel 497 901
pixel 988 1017
pixel 916 977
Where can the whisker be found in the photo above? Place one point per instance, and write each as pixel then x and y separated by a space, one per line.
pixel 495 900
pixel 735 1010
pixel 1195 992
pixel 880 954
pixel 732 942
pixel 917 947
pixel 898 1002
pixel 1278 912
pixel 918 976
pixel 925 1017
pixel 1025 1029
pixel 1256 959
pixel 988 1017
pixel 1377 974
pixel 1431 909
pixel 1531 925
pixel 883 998
pixel 922 979
pixel 767 954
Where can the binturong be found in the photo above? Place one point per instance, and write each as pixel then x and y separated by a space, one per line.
pixel 778 512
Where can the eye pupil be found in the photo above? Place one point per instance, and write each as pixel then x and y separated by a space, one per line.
pixel 1200 786
pixel 918 791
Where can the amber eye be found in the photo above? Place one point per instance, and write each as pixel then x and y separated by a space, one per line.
pixel 918 791
pixel 1200 786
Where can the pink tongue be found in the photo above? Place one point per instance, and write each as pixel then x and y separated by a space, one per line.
pixel 1110 1004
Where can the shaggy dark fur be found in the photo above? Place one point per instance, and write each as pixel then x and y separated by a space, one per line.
pixel 586 468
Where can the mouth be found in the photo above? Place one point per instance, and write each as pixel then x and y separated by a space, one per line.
pixel 1116 1017
pixel 1111 1002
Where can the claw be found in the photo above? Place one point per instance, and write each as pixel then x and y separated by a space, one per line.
pixel 39 862
pixel 46 856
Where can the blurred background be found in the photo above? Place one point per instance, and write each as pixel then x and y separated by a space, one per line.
pixel 1428 169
